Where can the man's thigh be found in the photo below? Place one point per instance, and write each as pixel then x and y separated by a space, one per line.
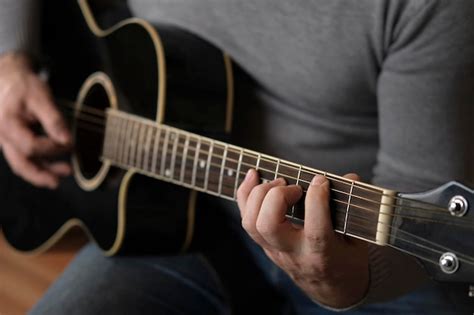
pixel 94 284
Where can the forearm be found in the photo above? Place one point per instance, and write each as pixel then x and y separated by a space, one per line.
pixel 19 25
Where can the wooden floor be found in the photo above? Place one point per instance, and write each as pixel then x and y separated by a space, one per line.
pixel 24 278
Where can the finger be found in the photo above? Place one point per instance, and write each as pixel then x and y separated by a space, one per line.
pixel 28 170
pixel 60 169
pixel 20 136
pixel 272 224
pixel 40 103
pixel 318 229
pixel 352 176
pixel 252 209
pixel 354 241
pixel 250 181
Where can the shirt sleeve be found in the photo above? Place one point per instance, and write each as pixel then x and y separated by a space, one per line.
pixel 425 97
pixel 19 26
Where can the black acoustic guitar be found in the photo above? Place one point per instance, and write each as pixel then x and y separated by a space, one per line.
pixel 138 84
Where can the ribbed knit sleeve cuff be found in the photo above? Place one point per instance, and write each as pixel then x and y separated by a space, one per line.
pixel 20 26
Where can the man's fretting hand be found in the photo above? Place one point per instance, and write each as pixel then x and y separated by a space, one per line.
pixel 330 268
pixel 25 101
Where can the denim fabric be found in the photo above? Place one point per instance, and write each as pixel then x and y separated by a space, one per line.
pixel 188 284
pixel 233 276
pixel 94 284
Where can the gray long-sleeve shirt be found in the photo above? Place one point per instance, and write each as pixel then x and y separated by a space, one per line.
pixel 382 88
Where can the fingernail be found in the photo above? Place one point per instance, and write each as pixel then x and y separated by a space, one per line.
pixel 279 180
pixel 63 137
pixel 318 180
pixel 250 174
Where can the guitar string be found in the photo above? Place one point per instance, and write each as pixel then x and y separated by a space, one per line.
pixel 372 201
pixel 224 185
pixel 356 196
pixel 366 231
pixel 302 180
pixel 101 113
pixel 440 249
pixel 312 172
pixel 365 219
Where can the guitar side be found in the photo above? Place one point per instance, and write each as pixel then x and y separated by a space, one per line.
pixel 122 211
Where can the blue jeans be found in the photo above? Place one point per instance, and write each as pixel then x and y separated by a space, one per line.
pixel 191 284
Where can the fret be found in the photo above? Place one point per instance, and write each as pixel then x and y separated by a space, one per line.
pixel 133 144
pixel 140 146
pixel 298 176
pixel 364 212
pixel 146 156
pixel 185 158
pixel 128 136
pixel 164 153
pixel 239 165
pixel 288 171
pixel 195 164
pixel 115 137
pixel 121 136
pixel 215 167
pixel 276 169
pixel 257 165
pixel 173 155
pixel 208 165
pixel 267 168
pixel 249 160
pixel 348 208
pixel 190 159
pixel 156 145
pixel 229 166
pixel 305 175
pixel 106 140
pixel 204 155
pixel 221 175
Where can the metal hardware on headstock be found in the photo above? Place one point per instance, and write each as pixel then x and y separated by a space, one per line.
pixel 449 263
pixel 458 206
pixel 440 238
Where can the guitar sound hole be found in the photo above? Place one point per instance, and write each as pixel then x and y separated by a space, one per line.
pixel 90 130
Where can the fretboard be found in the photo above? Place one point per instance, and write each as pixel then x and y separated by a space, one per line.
pixel 214 167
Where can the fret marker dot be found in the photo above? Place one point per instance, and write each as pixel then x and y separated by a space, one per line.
pixel 172 136
pixel 202 163
pixel 230 172
pixel 265 180
pixel 168 172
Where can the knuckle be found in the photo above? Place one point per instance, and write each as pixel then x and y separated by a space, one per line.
pixel 28 147
pixel 265 228
pixel 240 193
pixel 277 194
pixel 247 224
pixel 318 242
pixel 260 189
pixel 322 268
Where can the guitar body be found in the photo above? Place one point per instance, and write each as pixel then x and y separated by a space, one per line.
pixel 157 72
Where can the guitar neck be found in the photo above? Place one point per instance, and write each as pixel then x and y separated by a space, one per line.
pixel 217 168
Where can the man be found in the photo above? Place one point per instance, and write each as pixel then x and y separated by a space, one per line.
pixel 380 87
